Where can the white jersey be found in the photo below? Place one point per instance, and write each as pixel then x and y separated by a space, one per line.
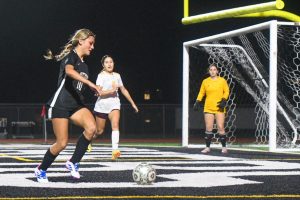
pixel 105 104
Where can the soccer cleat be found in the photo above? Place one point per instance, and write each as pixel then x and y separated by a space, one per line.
pixel 73 168
pixel 115 154
pixel 224 150
pixel 40 175
pixel 206 150
pixel 89 148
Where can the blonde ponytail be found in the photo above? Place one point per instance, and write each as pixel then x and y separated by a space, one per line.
pixel 80 34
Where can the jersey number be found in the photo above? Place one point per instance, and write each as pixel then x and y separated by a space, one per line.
pixel 79 85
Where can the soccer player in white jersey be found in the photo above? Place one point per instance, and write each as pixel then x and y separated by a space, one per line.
pixel 108 103
pixel 67 104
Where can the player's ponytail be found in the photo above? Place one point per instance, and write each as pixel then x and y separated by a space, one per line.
pixel 80 34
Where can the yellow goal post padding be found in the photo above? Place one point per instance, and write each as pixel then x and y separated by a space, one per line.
pixel 275 13
pixel 278 4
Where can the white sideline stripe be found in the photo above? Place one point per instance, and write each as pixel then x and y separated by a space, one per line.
pixel 130 166
pixel 280 164
pixel 70 148
pixel 178 180
pixel 38 152
pixel 257 165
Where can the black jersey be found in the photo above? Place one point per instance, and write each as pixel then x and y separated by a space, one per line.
pixel 69 95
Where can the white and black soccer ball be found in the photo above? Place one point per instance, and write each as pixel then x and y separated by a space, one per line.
pixel 144 174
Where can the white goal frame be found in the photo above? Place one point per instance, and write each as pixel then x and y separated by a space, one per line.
pixel 272 26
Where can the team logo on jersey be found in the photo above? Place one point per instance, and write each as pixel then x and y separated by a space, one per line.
pixel 84 75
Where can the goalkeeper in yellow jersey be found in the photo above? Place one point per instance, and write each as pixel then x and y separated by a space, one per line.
pixel 216 91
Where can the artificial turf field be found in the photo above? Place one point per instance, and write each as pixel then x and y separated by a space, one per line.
pixel 182 173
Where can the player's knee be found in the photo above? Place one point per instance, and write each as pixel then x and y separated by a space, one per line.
pixel 115 126
pixel 90 130
pixel 61 145
pixel 99 132
pixel 220 129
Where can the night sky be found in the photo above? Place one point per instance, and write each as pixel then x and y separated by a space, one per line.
pixel 144 37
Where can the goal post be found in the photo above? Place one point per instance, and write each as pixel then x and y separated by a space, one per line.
pixel 273 86
pixel 261 65
pixel 233 12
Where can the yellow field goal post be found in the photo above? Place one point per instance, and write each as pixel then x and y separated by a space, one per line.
pixel 269 9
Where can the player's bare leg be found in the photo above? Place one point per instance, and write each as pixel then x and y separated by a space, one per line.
pixel 100 125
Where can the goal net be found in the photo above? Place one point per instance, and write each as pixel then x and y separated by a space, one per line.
pixel 261 64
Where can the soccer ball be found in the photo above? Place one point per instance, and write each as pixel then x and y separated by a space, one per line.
pixel 144 174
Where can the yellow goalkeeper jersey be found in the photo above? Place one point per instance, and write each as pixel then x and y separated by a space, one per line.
pixel 214 90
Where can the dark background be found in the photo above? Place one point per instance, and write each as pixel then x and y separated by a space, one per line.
pixel 144 36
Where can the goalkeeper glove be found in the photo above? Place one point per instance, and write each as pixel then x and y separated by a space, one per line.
pixel 222 104
pixel 197 105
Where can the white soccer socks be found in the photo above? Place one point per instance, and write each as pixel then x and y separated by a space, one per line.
pixel 115 135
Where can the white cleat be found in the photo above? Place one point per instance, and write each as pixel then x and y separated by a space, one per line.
pixel 73 168
pixel 206 150
pixel 40 175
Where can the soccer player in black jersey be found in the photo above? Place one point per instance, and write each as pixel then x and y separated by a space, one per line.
pixel 67 102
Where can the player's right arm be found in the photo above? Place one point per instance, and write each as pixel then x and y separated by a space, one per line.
pixel 200 96
pixel 201 93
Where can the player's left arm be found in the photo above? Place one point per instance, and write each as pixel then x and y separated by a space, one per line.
pixel 126 94
pixel 226 90
pixel 221 104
